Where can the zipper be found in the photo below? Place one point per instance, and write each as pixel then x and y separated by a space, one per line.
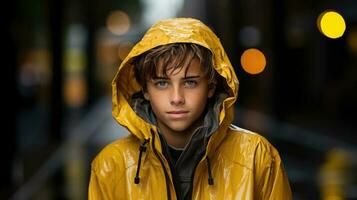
pixel 167 179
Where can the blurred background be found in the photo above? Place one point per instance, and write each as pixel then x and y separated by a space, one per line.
pixel 299 90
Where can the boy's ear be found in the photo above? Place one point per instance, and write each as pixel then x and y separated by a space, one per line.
pixel 146 95
pixel 211 89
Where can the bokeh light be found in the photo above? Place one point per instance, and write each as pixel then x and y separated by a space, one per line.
pixel 118 22
pixel 331 24
pixel 253 61
pixel 75 91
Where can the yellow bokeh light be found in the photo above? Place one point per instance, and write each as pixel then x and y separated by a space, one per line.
pixel 118 22
pixel 331 24
pixel 253 61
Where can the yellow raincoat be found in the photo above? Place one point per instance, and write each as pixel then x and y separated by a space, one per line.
pixel 243 164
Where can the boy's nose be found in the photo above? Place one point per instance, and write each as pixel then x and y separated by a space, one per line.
pixel 177 97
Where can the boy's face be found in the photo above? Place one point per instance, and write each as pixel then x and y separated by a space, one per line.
pixel 179 99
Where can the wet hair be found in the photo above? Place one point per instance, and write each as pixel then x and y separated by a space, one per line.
pixel 173 57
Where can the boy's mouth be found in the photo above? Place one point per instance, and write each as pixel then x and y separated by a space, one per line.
pixel 177 114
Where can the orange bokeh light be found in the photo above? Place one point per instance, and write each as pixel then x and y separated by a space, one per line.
pixel 118 22
pixel 253 61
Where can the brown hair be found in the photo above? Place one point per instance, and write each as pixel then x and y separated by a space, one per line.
pixel 174 56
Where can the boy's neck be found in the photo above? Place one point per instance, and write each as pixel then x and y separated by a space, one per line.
pixel 178 139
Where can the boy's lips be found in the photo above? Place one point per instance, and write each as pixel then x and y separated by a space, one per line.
pixel 177 114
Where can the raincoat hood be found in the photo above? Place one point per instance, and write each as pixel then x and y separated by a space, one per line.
pixel 179 30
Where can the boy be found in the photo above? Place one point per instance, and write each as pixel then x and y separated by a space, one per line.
pixel 175 92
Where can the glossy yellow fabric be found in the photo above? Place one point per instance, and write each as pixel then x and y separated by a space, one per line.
pixel 244 164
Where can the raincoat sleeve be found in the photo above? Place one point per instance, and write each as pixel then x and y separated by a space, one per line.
pixel 105 179
pixel 97 189
pixel 270 177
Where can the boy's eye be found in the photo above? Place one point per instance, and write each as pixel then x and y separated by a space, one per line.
pixel 190 83
pixel 161 84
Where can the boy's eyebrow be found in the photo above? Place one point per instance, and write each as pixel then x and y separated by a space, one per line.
pixel 166 78
pixel 160 77
pixel 189 77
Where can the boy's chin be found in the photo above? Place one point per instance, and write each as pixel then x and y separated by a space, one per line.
pixel 181 128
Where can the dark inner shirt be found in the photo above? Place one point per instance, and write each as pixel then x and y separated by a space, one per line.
pixel 175 154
